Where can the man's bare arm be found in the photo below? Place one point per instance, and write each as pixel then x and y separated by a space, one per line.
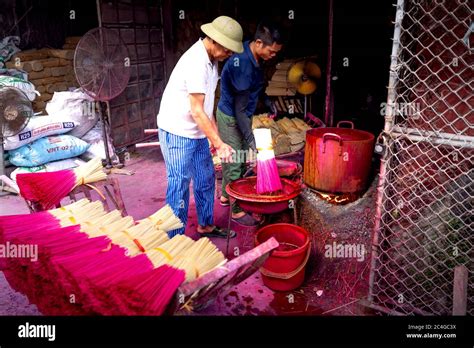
pixel 207 126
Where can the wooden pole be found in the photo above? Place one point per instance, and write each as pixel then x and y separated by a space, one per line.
pixel 460 290
pixel 328 112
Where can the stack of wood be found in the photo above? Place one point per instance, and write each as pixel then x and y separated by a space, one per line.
pixel 71 42
pixel 279 85
pixel 281 142
pixel 295 129
pixel 288 135
pixel 50 70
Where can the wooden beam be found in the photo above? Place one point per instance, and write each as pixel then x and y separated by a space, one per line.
pixel 143 145
pixel 231 266
pixel 460 290
pixel 168 38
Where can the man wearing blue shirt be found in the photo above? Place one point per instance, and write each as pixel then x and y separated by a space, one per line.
pixel 242 82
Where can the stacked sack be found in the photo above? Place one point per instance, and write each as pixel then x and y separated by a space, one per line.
pixel 80 107
pixel 52 142
pixel 43 145
pixel 55 141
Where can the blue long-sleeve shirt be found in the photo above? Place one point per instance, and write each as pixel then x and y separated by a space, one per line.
pixel 241 74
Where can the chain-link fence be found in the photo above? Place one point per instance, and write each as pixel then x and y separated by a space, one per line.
pixel 424 227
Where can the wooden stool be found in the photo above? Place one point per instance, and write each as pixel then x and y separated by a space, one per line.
pixel 112 191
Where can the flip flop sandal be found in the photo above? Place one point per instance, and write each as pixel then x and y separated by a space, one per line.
pixel 246 220
pixel 218 233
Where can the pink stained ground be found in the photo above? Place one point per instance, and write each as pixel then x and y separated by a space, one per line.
pixel 331 286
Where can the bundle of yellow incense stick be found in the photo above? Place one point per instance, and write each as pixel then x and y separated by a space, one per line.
pixel 202 257
pixel 164 219
pixel 95 221
pixel 167 251
pixel 148 236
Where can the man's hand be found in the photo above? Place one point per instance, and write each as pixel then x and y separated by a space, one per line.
pixel 208 126
pixel 272 109
pixel 225 152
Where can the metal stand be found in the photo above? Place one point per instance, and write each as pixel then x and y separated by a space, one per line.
pixel 104 135
pixel 228 226
pixel 305 106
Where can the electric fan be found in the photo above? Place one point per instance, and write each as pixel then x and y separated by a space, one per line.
pixel 303 76
pixel 102 68
pixel 15 113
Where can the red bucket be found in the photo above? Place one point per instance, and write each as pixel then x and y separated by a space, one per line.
pixel 285 267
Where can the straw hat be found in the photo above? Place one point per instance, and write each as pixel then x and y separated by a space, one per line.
pixel 225 31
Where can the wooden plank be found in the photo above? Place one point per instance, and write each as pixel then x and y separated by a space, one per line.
pixel 57 87
pixel 145 145
pixel 460 290
pixel 279 73
pixel 73 40
pixel 284 65
pixel 31 54
pixel 231 266
pixel 279 78
pixel 34 65
pixel 283 84
pixel 274 91
pixel 44 96
pixel 281 105
pixel 60 71
pixel 299 106
pixel 202 291
pixel 70 77
pixel 69 47
pixel 65 54
pixel 39 74
pixel 115 195
pixel 49 62
pixel 39 106
pixel 46 81
pixel 65 62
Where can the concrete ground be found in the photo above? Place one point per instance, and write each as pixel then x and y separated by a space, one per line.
pixel 332 285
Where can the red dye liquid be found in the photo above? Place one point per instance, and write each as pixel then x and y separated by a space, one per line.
pixel 286 247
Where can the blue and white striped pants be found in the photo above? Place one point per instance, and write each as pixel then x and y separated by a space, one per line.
pixel 188 159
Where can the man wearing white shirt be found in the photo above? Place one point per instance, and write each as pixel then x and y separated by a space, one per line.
pixel 186 122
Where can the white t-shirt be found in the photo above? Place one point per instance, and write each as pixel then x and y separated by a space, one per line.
pixel 194 73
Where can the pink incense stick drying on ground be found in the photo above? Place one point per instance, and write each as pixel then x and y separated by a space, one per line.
pixel 268 179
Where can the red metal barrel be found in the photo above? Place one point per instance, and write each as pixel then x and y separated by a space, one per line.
pixel 338 160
